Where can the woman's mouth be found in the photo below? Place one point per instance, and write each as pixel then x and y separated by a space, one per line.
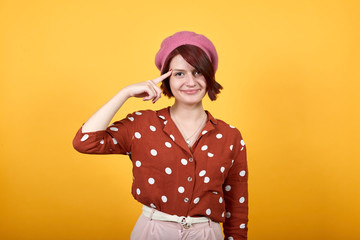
pixel 191 92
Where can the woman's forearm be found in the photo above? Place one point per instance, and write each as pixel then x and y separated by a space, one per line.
pixel 147 90
pixel 101 118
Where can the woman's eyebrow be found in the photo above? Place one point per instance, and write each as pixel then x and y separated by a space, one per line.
pixel 180 69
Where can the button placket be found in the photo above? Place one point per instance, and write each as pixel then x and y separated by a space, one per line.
pixel 189 173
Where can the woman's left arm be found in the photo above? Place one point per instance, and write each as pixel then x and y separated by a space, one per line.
pixel 235 191
pixel 115 139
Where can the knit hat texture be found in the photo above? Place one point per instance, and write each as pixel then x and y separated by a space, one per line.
pixel 182 38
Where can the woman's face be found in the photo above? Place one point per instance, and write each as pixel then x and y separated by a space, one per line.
pixel 187 85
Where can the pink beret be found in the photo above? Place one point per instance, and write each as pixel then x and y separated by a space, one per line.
pixel 182 38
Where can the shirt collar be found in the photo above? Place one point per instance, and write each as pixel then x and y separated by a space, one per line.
pixel 173 132
pixel 164 114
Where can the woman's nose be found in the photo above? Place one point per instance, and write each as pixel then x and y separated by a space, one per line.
pixel 190 80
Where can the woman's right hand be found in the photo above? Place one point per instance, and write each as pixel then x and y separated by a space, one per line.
pixel 148 89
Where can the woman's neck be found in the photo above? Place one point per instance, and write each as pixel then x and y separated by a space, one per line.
pixel 188 113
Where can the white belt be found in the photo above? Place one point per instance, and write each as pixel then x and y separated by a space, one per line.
pixel 185 221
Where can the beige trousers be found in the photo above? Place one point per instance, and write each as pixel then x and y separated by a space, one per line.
pixel 147 228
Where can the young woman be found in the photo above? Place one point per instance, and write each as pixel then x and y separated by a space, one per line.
pixel 190 169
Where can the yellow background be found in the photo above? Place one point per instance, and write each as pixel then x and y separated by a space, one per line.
pixel 290 71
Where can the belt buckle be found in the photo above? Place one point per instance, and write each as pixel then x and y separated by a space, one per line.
pixel 184 223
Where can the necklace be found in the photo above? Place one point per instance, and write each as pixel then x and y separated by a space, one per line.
pixel 187 139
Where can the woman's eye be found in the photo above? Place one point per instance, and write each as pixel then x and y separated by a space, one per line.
pixel 178 73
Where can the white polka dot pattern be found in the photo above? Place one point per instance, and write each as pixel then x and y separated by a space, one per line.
pixel 137 135
pixel 172 137
pixel 168 170
pixel 86 136
pixel 184 161
pixel 159 151
pixel 153 152
pixel 242 226
pixel 151 180
pixel 208 211
pixel 230 238
pixel 206 179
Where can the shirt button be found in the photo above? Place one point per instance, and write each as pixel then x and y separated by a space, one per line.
pixel 189 179
pixel 186 200
pixel 190 159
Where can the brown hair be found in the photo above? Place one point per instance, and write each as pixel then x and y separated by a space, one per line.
pixel 197 58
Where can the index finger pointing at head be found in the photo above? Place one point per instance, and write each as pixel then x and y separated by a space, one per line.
pixel 162 77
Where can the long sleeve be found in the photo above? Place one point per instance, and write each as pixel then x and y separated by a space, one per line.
pixel 236 195
pixel 116 139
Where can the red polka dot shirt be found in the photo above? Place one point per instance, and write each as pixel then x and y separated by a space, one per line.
pixel 209 179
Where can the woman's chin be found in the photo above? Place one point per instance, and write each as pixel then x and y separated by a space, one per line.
pixel 190 100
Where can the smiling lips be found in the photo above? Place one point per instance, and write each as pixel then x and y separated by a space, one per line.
pixel 191 92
